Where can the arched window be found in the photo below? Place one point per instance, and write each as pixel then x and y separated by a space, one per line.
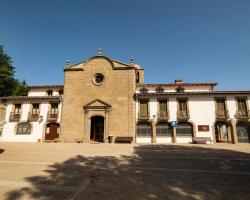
pixel 144 90
pixel 23 128
pixel 144 129
pixel 163 129
pixel 184 129
pixel 159 90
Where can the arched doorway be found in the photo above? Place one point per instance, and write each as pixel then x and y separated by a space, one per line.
pixel 52 131
pixel 243 132
pixel 97 128
pixel 223 132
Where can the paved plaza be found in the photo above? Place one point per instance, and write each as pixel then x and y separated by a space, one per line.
pixel 124 171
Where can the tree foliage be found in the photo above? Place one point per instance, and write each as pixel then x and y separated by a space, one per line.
pixel 9 86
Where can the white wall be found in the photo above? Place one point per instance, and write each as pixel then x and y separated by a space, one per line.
pixel 9 135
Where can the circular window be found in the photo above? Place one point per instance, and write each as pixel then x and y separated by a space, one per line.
pixel 98 79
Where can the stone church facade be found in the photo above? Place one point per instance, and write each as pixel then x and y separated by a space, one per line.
pixel 105 100
pixel 99 87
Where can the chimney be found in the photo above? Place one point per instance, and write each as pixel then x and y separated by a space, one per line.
pixel 178 81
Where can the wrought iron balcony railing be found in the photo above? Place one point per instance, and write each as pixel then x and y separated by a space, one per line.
pixel 15 117
pixel 52 116
pixel 33 116
pixel 221 114
pixel 163 116
pixel 183 115
pixel 242 114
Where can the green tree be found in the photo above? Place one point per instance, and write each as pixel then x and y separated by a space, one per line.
pixel 20 88
pixel 8 84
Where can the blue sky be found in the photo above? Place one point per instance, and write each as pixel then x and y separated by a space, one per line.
pixel 196 40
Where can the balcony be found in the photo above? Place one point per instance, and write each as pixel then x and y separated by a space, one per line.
pixel 221 115
pixel 52 116
pixel 183 115
pixel 242 114
pixel 15 117
pixel 33 116
pixel 163 116
pixel 142 117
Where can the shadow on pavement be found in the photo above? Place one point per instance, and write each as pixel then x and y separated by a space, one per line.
pixel 152 172
pixel 1 151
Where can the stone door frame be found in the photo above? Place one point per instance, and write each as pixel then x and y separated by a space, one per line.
pixel 96 108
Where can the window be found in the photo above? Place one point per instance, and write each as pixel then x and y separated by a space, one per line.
pixel 137 77
pixel 163 109
pixel 184 129
pixel 54 108
pixel 159 90
pixel 98 79
pixel 144 129
pixel 143 108
pixel 50 92
pixel 17 109
pixel 220 107
pixel 23 128
pixel 163 129
pixel 242 104
pixel 60 92
pixel 35 108
pixel 182 105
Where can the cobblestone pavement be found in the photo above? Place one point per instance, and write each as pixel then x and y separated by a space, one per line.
pixel 124 171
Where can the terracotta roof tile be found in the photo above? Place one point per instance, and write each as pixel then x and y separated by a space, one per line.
pixel 175 84
pixel 29 97
pixel 242 92
pixel 45 86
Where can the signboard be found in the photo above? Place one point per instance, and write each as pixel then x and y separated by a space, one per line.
pixel 173 123
pixel 203 128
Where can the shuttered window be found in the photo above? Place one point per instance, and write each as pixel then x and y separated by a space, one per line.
pixel 163 108
pixel 242 105
pixel 221 106
pixel 144 109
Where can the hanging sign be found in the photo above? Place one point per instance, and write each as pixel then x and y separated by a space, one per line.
pixel 173 123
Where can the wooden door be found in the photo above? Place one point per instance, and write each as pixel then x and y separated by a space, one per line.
pixel 52 131
pixel 97 128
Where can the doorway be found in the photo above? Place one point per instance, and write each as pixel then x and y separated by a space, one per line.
pixel 223 133
pixel 97 129
pixel 52 131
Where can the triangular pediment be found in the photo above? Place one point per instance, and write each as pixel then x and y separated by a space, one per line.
pixel 97 104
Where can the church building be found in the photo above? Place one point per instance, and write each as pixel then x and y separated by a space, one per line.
pixel 106 100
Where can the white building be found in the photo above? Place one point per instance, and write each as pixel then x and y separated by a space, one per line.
pixel 200 113
pixel 35 117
